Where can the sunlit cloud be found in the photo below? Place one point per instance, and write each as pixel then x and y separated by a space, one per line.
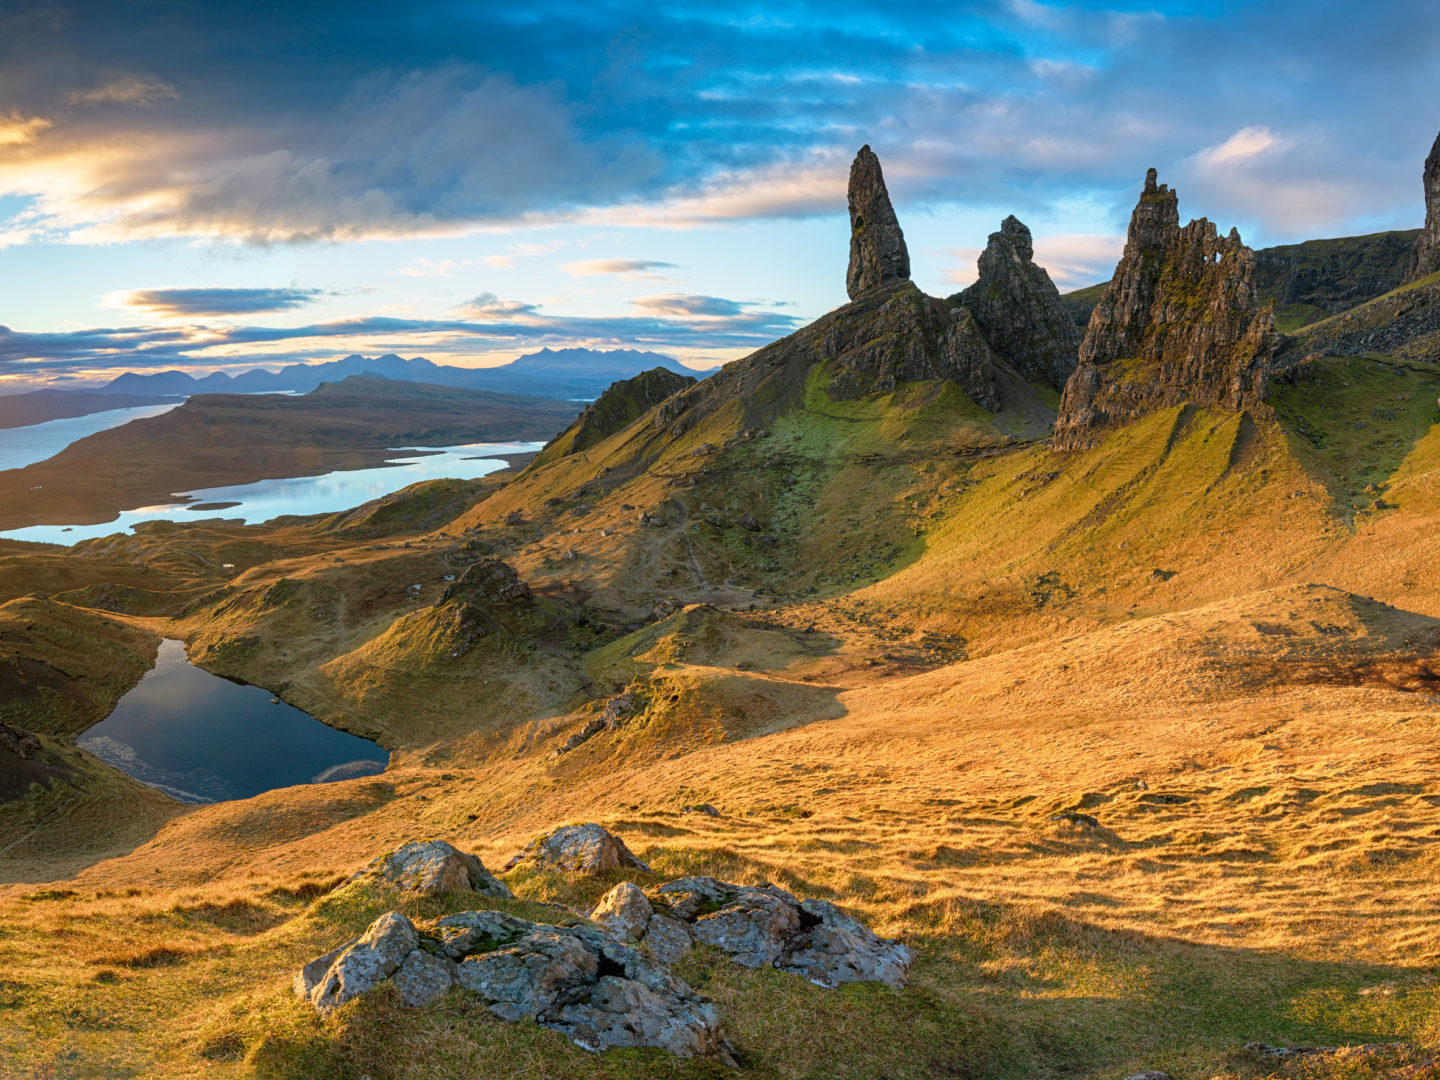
pixel 198 303
pixel 17 130
pixel 628 268
pixel 128 90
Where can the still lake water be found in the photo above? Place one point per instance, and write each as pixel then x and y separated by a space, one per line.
pixel 21 446
pixel 200 738
pixel 325 494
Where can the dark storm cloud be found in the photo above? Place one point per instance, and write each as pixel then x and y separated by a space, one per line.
pixel 288 122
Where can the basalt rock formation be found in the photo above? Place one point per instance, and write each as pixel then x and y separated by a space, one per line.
pixel 1018 309
pixel 1178 323
pixel 1426 259
pixel 877 246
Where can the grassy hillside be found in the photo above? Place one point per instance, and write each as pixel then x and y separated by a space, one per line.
pixel 1134 746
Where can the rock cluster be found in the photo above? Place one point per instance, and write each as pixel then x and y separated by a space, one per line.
pixel 432 867
pixel 1426 259
pixel 578 980
pixel 878 255
pixel 488 581
pixel 1018 309
pixel 758 926
pixel 606 983
pixel 1178 323
pixel 585 849
pixel 612 717
pixel 19 742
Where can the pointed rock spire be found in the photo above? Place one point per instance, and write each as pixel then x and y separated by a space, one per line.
pixel 1426 259
pixel 1018 309
pixel 877 246
pixel 1178 324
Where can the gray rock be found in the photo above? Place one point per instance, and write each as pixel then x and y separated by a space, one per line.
pixel 310 975
pixel 585 849
pixel 372 959
pixel 1018 309
pixel 668 939
pixel 690 897
pixel 837 948
pixel 878 255
pixel 1426 259
pixel 1149 1074
pixel 527 976
pixel 432 867
pixel 476 931
pixel 624 911
pixel 423 978
pixel 621 1012
pixel 754 928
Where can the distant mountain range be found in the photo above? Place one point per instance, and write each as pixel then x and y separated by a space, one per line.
pixel 562 373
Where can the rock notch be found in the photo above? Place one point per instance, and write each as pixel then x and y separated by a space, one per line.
pixel 1018 309
pixel 1426 259
pixel 877 246
pixel 1178 324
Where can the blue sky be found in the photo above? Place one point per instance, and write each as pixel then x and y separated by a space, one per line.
pixel 210 185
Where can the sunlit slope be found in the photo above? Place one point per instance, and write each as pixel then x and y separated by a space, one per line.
pixel 1077 836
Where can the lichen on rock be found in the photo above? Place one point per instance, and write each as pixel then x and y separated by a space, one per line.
pixel 584 849
pixel 433 867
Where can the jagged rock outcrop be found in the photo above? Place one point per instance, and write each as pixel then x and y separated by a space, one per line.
pixel 878 255
pixel 1018 309
pixel 577 980
pixel 583 849
pixel 1426 259
pixel 763 925
pixel 898 334
pixel 433 867
pixel 1177 323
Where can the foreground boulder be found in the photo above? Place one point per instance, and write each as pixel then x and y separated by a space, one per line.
pixel 432 867
pixel 577 980
pixel 764 925
pixel 1177 324
pixel 584 849
pixel 1018 309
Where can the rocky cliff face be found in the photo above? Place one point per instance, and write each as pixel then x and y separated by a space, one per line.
pixel 877 246
pixel 1333 275
pixel 1018 308
pixel 1426 259
pixel 1178 323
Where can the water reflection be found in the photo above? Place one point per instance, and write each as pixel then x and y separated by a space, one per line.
pixel 300 495
pixel 23 446
pixel 200 738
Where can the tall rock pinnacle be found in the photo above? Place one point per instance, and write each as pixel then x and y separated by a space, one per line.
pixel 877 246
pixel 1018 309
pixel 1178 324
pixel 1426 259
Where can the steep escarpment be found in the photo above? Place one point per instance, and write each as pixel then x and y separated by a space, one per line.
pixel 1311 280
pixel 1178 323
pixel 1018 309
pixel 1426 258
